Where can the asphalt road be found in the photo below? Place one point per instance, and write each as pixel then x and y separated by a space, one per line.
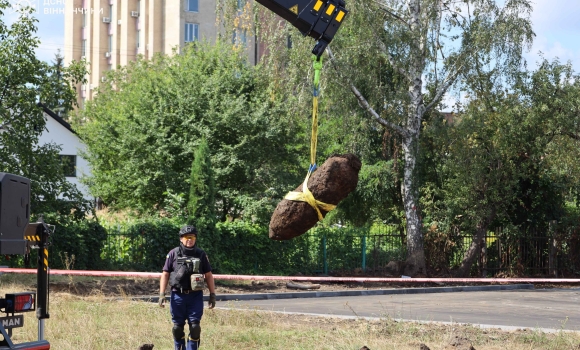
pixel 548 309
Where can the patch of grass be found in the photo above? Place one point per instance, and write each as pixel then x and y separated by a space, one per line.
pixel 98 323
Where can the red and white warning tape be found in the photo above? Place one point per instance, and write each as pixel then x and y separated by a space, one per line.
pixel 302 278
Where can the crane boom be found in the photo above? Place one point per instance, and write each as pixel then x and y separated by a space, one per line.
pixel 319 19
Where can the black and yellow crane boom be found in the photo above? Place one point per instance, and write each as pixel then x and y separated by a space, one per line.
pixel 319 19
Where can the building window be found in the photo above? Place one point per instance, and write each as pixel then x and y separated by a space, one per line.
pixel 110 44
pixel 84 48
pixel 191 32
pixel 193 5
pixel 111 14
pixel 69 165
pixel 138 38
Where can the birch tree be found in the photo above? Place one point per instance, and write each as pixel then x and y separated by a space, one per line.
pixel 432 46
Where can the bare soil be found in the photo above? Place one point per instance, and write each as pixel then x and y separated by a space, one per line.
pixel 146 287
pixel 150 287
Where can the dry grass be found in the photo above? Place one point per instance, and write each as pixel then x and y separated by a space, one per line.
pixel 97 322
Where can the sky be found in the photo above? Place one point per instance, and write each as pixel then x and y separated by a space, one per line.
pixel 555 23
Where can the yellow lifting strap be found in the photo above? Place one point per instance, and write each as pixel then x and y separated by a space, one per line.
pixel 306 195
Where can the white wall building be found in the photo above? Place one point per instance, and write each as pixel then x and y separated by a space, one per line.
pixel 58 131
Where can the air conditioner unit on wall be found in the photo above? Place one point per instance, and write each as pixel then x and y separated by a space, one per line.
pixel 134 13
pixel 103 79
pixel 106 19
pixel 107 54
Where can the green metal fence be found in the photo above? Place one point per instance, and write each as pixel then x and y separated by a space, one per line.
pixel 530 253
pixel 321 250
pixel 123 249
pixel 348 250
pixel 339 250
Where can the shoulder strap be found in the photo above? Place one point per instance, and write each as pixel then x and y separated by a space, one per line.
pixel 177 251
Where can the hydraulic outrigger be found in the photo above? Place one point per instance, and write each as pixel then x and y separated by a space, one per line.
pixel 18 236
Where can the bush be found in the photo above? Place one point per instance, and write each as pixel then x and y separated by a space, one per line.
pixel 140 245
pixel 76 245
pixel 73 245
pixel 244 248
pixel 233 248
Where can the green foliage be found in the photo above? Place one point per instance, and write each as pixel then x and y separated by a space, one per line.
pixel 175 206
pixel 239 243
pixel 241 247
pixel 232 247
pixel 75 244
pixel 143 244
pixel 143 129
pixel 400 59
pixel 376 198
pixel 501 163
pixel 81 239
pixel 25 80
pixel 504 149
pixel 57 94
pixel 201 201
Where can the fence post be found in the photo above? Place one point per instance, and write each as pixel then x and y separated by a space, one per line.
pixel 324 262
pixel 499 234
pixel 553 243
pixel 364 252
pixel 553 260
pixel 484 256
pixel 119 257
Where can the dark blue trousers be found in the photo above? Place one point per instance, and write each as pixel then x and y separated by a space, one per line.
pixel 186 307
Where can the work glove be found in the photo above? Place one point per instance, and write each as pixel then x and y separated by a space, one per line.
pixel 161 299
pixel 211 301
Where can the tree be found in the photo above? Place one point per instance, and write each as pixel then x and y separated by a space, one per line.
pixel 58 100
pixel 501 163
pixel 375 199
pixel 430 46
pixel 23 81
pixel 201 201
pixel 142 129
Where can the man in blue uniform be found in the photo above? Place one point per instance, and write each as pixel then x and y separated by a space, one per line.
pixel 186 267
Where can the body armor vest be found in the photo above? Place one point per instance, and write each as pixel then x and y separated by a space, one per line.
pixel 187 274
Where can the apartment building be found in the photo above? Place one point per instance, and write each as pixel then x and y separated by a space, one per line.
pixel 111 33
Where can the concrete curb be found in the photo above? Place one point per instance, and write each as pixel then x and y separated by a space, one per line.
pixel 352 293
pixel 447 323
